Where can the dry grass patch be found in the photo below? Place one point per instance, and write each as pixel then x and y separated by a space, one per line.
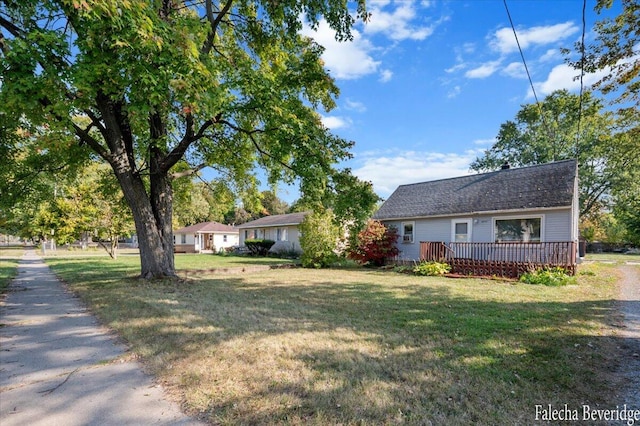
pixel 363 347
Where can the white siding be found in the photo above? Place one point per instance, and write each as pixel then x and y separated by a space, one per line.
pixel 557 226
pixel 218 241
pixel 271 233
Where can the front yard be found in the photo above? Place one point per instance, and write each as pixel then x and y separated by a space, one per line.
pixel 357 346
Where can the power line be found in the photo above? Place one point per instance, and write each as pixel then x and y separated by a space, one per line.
pixel 524 62
pixel 584 25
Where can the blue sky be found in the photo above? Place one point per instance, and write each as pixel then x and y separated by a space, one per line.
pixel 425 85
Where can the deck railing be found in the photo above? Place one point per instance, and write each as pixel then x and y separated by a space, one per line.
pixel 501 259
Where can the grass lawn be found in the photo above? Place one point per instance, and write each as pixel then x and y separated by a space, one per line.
pixel 9 258
pixel 612 257
pixel 357 346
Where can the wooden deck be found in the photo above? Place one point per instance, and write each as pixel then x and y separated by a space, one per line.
pixel 500 259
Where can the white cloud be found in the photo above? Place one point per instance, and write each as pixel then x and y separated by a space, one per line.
pixel 565 77
pixel 515 70
pixel 457 67
pixel 484 142
pixel 396 25
pixel 387 172
pixel 551 55
pixel 344 60
pixel 455 91
pixel 483 71
pixel 504 41
pixel 385 75
pixel 469 47
pixel 335 122
pixel 354 105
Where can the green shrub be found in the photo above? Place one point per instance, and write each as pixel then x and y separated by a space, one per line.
pixel 403 269
pixel 259 247
pixel 431 268
pixel 319 239
pixel 555 276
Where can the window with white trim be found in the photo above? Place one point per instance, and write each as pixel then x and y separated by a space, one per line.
pixel 183 238
pixel 461 230
pixel 520 229
pixel 408 232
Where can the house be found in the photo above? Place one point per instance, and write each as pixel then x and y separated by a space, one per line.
pixel 281 228
pixel 524 215
pixel 206 237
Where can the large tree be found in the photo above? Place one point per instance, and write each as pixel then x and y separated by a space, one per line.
pixel 563 126
pixel 614 53
pixel 232 85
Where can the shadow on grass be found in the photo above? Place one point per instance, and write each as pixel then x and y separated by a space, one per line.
pixel 371 351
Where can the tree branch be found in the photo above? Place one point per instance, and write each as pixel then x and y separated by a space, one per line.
pixel 190 137
pixel 189 172
pixel 214 21
pixel 93 143
pixel 262 152
pixel 11 27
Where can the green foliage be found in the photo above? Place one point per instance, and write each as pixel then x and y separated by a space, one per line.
pixel 259 247
pixel 404 269
pixel 319 239
pixel 196 202
pixel 615 50
pixel 161 85
pixel 549 132
pixel 374 244
pixel 432 268
pixel 554 277
pixel 272 204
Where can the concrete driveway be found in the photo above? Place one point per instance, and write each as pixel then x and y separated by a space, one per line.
pixel 58 366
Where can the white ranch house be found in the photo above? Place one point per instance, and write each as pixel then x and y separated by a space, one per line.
pixel 281 228
pixel 206 237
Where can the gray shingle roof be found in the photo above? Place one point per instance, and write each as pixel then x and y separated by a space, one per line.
pixel 208 227
pixel 541 186
pixel 276 220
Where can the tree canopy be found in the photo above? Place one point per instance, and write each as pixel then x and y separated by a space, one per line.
pixel 147 86
pixel 555 130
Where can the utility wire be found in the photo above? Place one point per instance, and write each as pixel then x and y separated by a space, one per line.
pixel 524 62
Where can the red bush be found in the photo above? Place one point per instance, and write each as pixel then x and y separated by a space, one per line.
pixel 374 244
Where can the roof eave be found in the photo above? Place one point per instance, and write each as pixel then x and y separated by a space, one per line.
pixel 476 213
pixel 273 225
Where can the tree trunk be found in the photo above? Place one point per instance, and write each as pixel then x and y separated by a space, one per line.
pixel 156 254
pixel 151 214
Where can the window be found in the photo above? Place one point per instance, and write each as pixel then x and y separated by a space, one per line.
pixel 281 234
pixel 524 230
pixel 183 238
pixel 461 230
pixel 407 232
pixel 224 238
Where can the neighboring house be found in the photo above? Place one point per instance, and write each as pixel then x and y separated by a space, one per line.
pixel 499 212
pixel 281 228
pixel 205 237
